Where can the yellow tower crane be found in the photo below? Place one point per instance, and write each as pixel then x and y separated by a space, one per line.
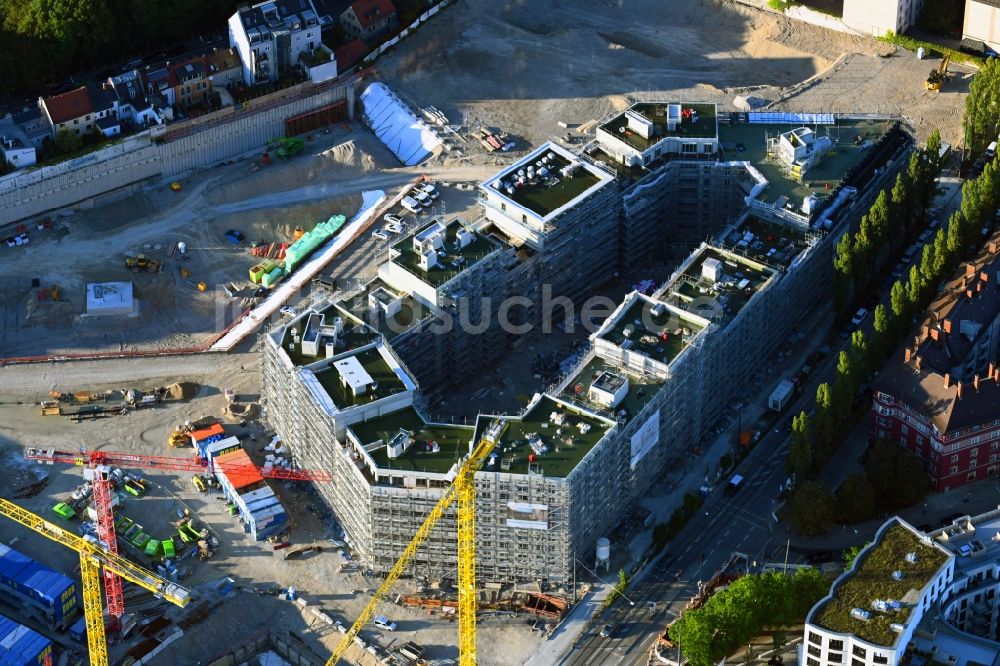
pixel 464 490
pixel 92 558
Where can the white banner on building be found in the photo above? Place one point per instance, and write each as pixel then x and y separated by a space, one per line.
pixel 646 438
pixel 528 516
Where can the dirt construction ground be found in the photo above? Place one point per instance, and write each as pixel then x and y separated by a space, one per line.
pixel 513 66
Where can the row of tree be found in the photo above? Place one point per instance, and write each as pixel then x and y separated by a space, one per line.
pixel 894 216
pixel 46 40
pixel 735 615
pixel 981 121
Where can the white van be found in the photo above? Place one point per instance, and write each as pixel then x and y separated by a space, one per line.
pixel 410 204
pixel 382 622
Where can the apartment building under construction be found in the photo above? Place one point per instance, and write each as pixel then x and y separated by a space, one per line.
pixel 346 383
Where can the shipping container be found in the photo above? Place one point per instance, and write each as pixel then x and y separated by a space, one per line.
pixel 218 448
pixel 21 646
pixel 48 594
pixel 244 476
pixel 168 548
pixel 212 433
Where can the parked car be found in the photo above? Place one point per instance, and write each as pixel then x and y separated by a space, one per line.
pixel 429 190
pixel 410 204
pixel 859 317
pixel 609 630
pixel 380 235
pixel 382 622
pixel 422 198
pixel 289 310
pixel 393 219
pixel 234 236
pixel 393 228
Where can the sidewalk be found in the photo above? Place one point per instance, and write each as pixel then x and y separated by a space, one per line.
pixel 566 634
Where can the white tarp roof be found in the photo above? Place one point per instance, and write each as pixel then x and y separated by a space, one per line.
pixel 353 373
pixel 394 124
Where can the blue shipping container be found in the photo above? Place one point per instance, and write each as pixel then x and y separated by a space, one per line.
pixel 21 646
pixel 78 631
pixel 52 593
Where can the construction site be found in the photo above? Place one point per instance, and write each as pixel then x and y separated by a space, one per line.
pixel 253 506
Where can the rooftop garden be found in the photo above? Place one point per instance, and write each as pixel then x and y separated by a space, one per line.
pixel 376 366
pixel 452 260
pixel 722 299
pixel 452 442
pixel 771 243
pixel 354 335
pixel 658 335
pixel 544 194
pixel 656 113
pixel 565 444
pixel 872 578
pixel 640 389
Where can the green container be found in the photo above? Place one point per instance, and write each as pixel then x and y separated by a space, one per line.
pixel 152 547
pixel 140 540
pixel 168 548
pixel 64 510
pixel 272 278
pixel 193 534
pixel 185 537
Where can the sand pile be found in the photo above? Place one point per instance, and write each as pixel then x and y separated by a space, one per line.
pixel 237 411
pixel 182 390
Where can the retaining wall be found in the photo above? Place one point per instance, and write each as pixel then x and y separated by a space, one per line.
pixel 124 168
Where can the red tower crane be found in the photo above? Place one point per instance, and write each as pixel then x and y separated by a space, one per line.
pixel 99 463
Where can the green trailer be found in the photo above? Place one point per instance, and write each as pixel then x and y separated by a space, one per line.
pixel 140 540
pixel 168 548
pixel 152 547
pixel 64 510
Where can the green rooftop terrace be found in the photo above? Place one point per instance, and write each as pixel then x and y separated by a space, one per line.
pixel 872 578
pixel 544 194
pixel 565 444
pixel 410 311
pixel 771 243
pixel 354 335
pixel 656 113
pixel 640 389
pixel 452 441
pixel 723 298
pixel 454 259
pixel 659 334
pixel 749 143
pixel 376 366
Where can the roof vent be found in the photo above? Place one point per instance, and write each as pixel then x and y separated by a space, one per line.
pixel 897 627
pixel 911 558
pixel 861 614
pixel 897 575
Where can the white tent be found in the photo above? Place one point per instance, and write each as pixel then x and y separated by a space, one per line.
pixel 407 136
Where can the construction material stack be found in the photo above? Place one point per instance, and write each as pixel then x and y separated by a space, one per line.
pixel 47 595
pixel 21 646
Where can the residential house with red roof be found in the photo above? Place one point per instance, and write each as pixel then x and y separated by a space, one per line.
pixel 87 108
pixel 369 19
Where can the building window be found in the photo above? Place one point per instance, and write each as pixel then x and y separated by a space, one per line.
pixel 880 659
pixel 834 657
pixel 859 651
pixel 812 662
pixel 836 644
pixel 884 397
pixel 903 429
pixel 857 662
pixel 954 458
pixel 815 651
pixel 953 469
pixel 971 476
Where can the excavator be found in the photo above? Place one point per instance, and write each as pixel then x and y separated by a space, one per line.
pixel 938 76
pixel 141 263
pixel 287 148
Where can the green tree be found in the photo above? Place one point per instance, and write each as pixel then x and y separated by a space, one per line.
pixel 982 108
pixel 825 425
pixel 852 553
pixel 954 238
pixel 845 385
pixel 915 289
pixel 812 509
pixel 881 338
pixel 801 456
pixel 928 263
pixel 897 300
pixel 855 500
pixel 67 141
pixel 901 211
pixel 942 260
pixel 843 275
pixel 933 151
pixel 859 357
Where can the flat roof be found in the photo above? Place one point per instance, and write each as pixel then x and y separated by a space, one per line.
pixel 545 195
pixel 454 261
pixel 748 143
pixel 355 334
pixel 641 389
pixel 971 540
pixel 108 296
pixel 565 444
pixel 374 365
pixel 722 300
pixel 871 578
pixel 452 442
pixel 352 373
pixel 660 333
pixel 410 313
pixel 765 241
pixel 657 114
